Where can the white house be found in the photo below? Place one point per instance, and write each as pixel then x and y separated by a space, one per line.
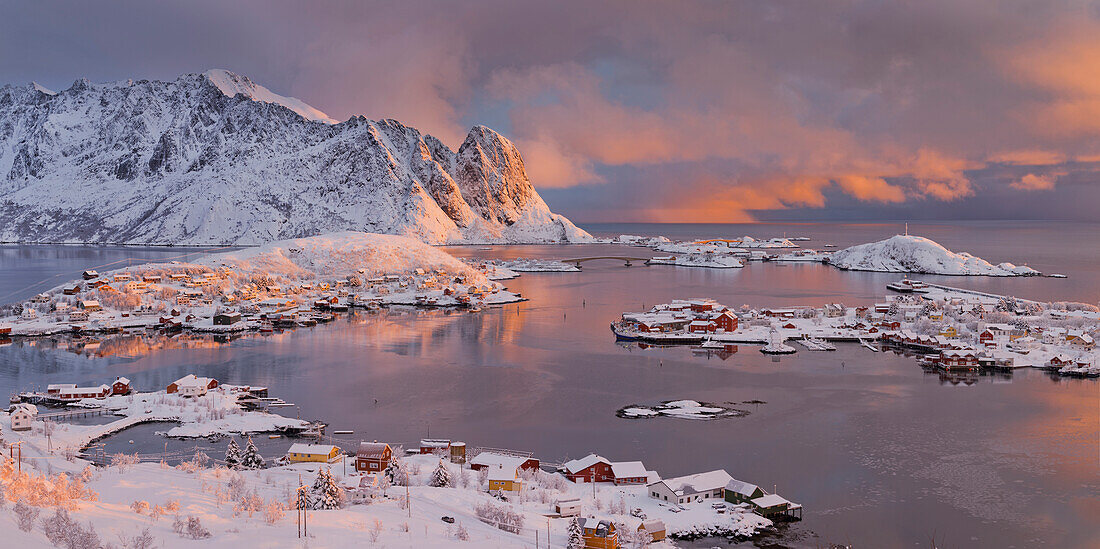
pixel 692 488
pixel 22 416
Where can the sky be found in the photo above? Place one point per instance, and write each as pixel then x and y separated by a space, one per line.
pixel 641 111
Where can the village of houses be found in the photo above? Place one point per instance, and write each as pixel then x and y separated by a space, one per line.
pixel 948 329
pixel 177 296
pixel 497 496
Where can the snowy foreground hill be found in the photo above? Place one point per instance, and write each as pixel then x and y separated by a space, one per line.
pixel 214 158
pixel 915 254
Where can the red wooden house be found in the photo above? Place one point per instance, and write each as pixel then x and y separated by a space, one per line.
pixel 726 321
pixel 121 386
pixel 588 469
pixel 373 457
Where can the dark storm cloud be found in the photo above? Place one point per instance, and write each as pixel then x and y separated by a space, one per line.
pixel 704 111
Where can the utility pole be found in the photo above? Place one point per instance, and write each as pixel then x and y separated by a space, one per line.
pixel 408 500
pixel 20 445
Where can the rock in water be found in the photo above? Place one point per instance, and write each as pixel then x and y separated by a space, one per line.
pixel 214 158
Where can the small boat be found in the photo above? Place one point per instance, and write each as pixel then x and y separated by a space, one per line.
pixel 343 432
pixel 1057 275
pixel 274 436
pixel 907 286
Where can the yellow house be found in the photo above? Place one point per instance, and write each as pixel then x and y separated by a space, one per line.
pixel 323 453
pixel 949 331
pixel 935 317
pixel 504 479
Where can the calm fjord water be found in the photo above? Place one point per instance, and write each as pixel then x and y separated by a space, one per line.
pixel 881 453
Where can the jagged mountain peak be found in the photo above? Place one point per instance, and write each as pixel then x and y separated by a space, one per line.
pixel 232 84
pixel 215 158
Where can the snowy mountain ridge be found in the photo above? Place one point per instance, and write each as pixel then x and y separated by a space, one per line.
pixel 215 159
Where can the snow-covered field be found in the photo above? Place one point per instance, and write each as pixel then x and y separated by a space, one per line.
pixel 915 254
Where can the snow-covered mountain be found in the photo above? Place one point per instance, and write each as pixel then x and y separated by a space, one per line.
pixel 214 158
pixel 916 254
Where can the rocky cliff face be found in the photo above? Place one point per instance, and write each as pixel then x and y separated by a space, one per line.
pixel 187 163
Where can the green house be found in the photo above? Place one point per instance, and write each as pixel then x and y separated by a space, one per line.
pixel 737 491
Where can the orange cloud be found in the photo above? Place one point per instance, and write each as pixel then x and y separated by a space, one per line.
pixel 1032 182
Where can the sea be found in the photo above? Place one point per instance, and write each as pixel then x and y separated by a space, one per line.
pixel 880 452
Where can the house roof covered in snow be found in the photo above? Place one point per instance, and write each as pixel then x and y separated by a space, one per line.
pixel 311 449
pixel 492 459
pixel 770 500
pixel 577 465
pixel 741 487
pixel 698 483
pixel 628 469
pixel 502 473
pixel 371 449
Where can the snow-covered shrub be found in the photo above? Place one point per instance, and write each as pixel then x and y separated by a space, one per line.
pixel 195 529
pixel 461 533
pixel 143 540
pixel 236 486
pixel 123 461
pixel 464 478
pixel 25 515
pixel 403 527
pixel 273 512
pixel 172 506
pixel 375 532
pixel 500 516
pixel 249 502
pixel 139 507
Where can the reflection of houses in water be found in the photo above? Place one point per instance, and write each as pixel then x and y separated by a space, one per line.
pixel 723 351
pixel 969 377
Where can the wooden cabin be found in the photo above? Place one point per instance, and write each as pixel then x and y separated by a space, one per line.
pixel 373 457
pixel 321 453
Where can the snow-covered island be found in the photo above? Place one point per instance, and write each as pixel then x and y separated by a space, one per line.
pixel 952 330
pixel 280 284
pixel 523 265
pixel 681 409
pixel 915 254
pixel 708 259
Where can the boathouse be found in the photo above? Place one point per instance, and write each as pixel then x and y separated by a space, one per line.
pixel 373 457
pixel 655 528
pixel 77 393
pixel 227 319
pixel 738 491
